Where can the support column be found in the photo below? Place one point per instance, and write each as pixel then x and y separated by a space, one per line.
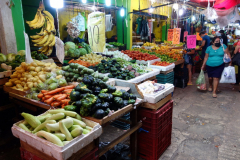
pixel 7 33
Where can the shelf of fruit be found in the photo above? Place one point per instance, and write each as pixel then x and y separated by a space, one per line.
pixel 169 43
pixel 152 46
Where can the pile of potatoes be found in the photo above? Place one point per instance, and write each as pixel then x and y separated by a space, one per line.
pixel 28 76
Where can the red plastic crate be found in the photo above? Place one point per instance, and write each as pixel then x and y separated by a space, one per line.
pixel 25 155
pixel 151 148
pixel 156 125
pixel 91 155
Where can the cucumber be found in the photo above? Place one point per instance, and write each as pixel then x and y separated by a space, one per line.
pixel 50 137
pixel 41 126
pixel 32 120
pixel 73 127
pixel 61 136
pixel 76 132
pixel 21 125
pixel 65 68
pixel 65 131
pixel 57 116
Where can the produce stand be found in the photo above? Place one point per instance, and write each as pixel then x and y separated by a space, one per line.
pixel 34 105
pixel 179 62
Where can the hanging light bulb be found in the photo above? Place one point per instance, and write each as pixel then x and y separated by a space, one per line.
pixel 108 3
pixel 180 12
pixel 193 18
pixel 56 3
pixel 175 6
pixel 84 1
pixel 122 12
pixel 205 22
pixel 151 9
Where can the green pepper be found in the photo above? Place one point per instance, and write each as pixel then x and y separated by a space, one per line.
pixel 131 101
pixel 104 91
pixel 103 95
pixel 131 96
pixel 117 93
pixel 118 101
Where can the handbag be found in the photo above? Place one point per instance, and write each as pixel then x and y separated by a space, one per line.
pixel 236 59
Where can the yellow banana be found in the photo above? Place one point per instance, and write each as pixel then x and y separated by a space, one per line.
pixel 49 52
pixel 50 39
pixel 48 15
pixel 48 28
pixel 35 20
pixel 42 33
pixel 37 40
pixel 36 37
pixel 53 42
pixel 44 40
pixel 41 49
pixel 40 22
pixel 50 24
pixel 36 45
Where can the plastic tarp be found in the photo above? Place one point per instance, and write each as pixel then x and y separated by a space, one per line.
pixel 225 4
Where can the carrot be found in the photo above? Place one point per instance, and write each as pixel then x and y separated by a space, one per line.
pixel 68 90
pixel 48 96
pixel 65 101
pixel 63 105
pixel 55 91
pixel 40 95
pixel 43 98
pixel 64 96
pixel 57 95
pixel 44 91
pixel 49 101
pixel 69 87
pixel 55 104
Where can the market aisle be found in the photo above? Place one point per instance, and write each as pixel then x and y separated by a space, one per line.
pixel 205 128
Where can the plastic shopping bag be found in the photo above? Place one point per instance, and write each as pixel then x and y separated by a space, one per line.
pixel 201 83
pixel 228 75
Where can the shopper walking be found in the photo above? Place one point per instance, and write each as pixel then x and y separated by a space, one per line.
pixel 214 64
pixel 224 37
pixel 205 43
pixel 236 51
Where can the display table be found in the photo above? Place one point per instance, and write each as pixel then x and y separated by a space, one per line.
pixel 179 62
pixel 34 105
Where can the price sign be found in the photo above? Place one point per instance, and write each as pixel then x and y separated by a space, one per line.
pixel 191 41
pixel 176 35
pixel 170 35
pixel 185 35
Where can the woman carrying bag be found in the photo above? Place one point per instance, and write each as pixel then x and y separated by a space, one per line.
pixel 213 61
pixel 236 61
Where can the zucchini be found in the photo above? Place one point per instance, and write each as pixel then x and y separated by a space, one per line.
pixel 78 122
pixel 68 122
pixel 85 131
pixel 50 137
pixel 76 132
pixel 65 142
pixel 21 125
pixel 55 111
pixel 61 136
pixel 41 126
pixel 43 118
pixel 57 116
pixel 67 113
pixel 53 127
pixel 73 127
pixel 88 128
pixel 78 117
pixel 32 120
pixel 65 131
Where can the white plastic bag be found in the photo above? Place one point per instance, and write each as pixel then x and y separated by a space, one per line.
pixel 228 75
pixel 210 13
pixel 28 57
pixel 59 49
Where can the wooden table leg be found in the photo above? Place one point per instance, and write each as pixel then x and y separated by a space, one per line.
pixel 133 136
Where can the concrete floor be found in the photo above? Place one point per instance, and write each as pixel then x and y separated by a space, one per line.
pixel 204 128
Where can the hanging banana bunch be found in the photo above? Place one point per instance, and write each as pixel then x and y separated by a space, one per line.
pixel 46 38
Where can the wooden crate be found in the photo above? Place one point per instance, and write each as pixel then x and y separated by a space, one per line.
pixel 157 105
pixel 11 90
pixel 179 62
pixel 114 116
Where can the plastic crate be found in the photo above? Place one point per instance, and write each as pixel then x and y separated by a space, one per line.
pixel 25 155
pixel 92 155
pixel 155 121
pixel 151 148
pixel 181 82
pixel 165 78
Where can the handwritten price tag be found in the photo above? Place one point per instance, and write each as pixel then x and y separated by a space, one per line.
pixel 191 41
pixel 176 35
pixel 170 35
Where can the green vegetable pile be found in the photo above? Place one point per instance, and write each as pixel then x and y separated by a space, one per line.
pixel 38 56
pixel 93 97
pixel 76 72
pixel 117 44
pixel 73 50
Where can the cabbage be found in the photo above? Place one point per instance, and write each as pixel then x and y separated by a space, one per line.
pixel 71 52
pixel 62 82
pixel 11 57
pixel 76 53
pixel 83 51
pixel 35 96
pixel 3 58
pixel 21 53
pixel 69 45
pixel 65 53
